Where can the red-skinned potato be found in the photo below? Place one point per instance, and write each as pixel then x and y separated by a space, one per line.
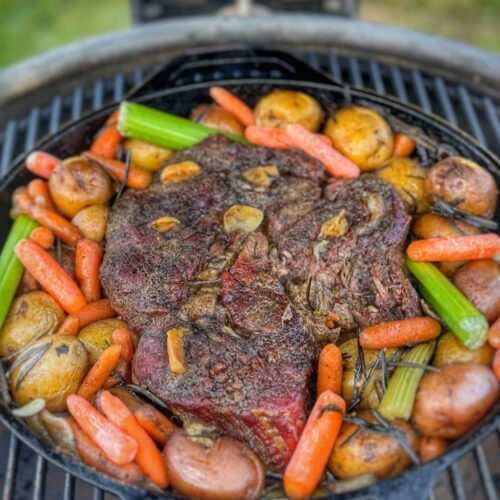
pixel 449 403
pixel 457 179
pixel 479 281
pixel 218 469
pixel 213 116
pixel 430 448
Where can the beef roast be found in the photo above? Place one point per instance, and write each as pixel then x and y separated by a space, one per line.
pixel 254 307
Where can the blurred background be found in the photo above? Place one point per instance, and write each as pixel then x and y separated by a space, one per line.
pixel 29 27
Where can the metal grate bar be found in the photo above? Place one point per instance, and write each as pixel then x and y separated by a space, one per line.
pixel 77 103
pixel 98 494
pixel 10 474
pixel 9 142
pixel 32 131
pixel 55 114
pixel 98 94
pixel 484 470
pixel 444 100
pixel 355 72
pixel 456 482
pixel 312 58
pixel 376 76
pixel 138 76
pixel 69 486
pixel 39 486
pixel 492 116
pixel 118 86
pixel 334 67
pixel 398 82
pixel 468 107
pixel 418 82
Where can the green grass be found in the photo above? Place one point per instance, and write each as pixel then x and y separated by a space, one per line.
pixel 29 27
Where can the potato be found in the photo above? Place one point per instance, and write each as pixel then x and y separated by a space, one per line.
pixel 77 183
pixel 450 350
pixel 30 316
pixel 280 107
pixel 430 448
pixel 457 179
pixel 54 376
pixel 449 403
pixel 408 177
pixel 436 226
pixel 362 135
pixel 349 350
pixel 213 116
pixel 370 452
pixel 146 155
pixel 369 398
pixel 479 281
pixel 96 337
pixel 218 469
pixel 92 221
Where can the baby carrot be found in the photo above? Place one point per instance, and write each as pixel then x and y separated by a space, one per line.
pixel 399 333
pixel 100 371
pixel 61 228
pixel 157 425
pixel 330 370
pixel 88 258
pixel 95 311
pixel 43 237
pixel 69 326
pixel 107 141
pixel 148 455
pixel 92 455
pixel 496 364
pixel 269 137
pixel 120 448
pixel 136 178
pixel 123 337
pixel 42 164
pixel 336 164
pixel 494 334
pixel 38 191
pixel 232 104
pixel 315 445
pixel 403 146
pixel 53 278
pixel 477 246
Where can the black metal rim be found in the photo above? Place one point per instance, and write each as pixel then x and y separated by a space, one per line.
pixel 427 471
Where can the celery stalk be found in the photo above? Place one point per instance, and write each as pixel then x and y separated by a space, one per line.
pixel 461 317
pixel 399 397
pixel 162 128
pixel 11 269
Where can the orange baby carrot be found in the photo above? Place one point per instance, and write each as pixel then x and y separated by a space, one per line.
pixel 53 278
pixel 477 246
pixel 123 337
pixel 38 191
pixel 330 370
pixel 107 142
pixel 269 137
pixel 120 448
pixel 92 455
pixel 494 334
pixel 157 425
pixel 399 333
pixel 232 104
pixel 136 178
pixel 42 164
pixel 335 163
pixel 308 461
pixel 95 311
pixel 148 455
pixel 70 325
pixel 100 371
pixel 403 146
pixel 496 364
pixel 88 258
pixel 61 228
pixel 43 237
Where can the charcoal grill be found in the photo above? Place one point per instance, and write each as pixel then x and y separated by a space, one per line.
pixel 461 87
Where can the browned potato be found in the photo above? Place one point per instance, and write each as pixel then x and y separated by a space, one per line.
pixel 349 350
pixel 436 226
pixel 362 135
pixel 146 155
pixel 479 281
pixel 449 403
pixel 92 221
pixel 458 179
pixel 281 107
pixel 369 397
pixel 370 452
pixel 450 350
pixel 408 177
pixel 96 337
pixel 30 316
pixel 60 364
pixel 218 469
pixel 77 183
pixel 213 116
pixel 430 448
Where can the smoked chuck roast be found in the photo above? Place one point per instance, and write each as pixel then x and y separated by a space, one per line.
pixel 253 305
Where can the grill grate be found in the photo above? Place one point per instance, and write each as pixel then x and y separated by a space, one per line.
pixel 25 475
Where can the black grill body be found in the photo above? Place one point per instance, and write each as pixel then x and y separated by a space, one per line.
pixel 188 82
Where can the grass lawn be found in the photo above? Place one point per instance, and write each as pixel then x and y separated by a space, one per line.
pixel 29 27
